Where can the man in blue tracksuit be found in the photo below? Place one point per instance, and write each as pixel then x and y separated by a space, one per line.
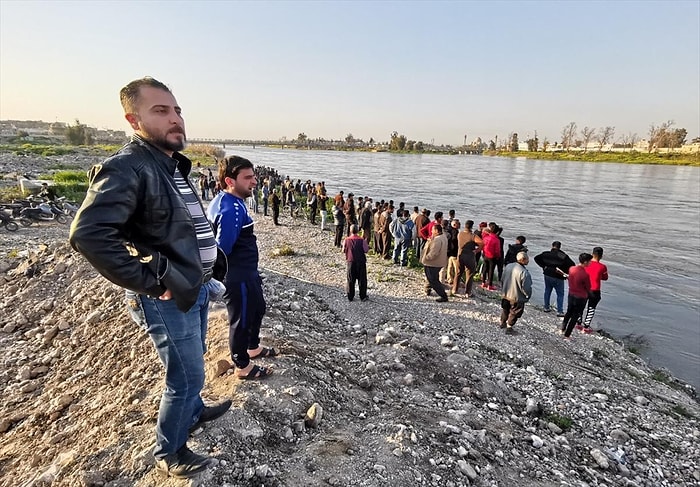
pixel 233 228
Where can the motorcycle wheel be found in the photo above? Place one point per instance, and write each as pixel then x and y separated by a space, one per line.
pixel 61 219
pixel 11 226
pixel 25 222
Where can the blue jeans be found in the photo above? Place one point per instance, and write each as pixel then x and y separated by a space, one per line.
pixel 401 251
pixel 179 339
pixel 558 285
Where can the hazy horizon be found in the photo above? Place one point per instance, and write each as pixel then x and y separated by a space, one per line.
pixel 433 71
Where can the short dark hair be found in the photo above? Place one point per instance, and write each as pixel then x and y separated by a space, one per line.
pixel 585 257
pixel 438 228
pixel 520 238
pixel 354 229
pixel 598 252
pixel 230 166
pixel 556 244
pixel 438 214
pixel 469 224
pixel 129 95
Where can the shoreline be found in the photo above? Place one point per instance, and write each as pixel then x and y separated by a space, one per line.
pixel 413 392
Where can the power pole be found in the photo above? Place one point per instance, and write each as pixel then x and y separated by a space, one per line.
pixel 465 140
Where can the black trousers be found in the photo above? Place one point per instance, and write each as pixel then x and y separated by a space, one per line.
pixel 378 249
pixel 357 271
pixel 432 274
pixel 464 270
pixel 511 311
pixel 573 314
pixel 246 307
pixel 339 235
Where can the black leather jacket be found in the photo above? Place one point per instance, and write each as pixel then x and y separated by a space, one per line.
pixel 135 228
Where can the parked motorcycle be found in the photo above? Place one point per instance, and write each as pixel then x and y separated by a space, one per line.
pixel 43 212
pixel 7 222
pixel 70 208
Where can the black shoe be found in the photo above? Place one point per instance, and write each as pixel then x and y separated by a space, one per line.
pixel 441 300
pixel 509 330
pixel 182 465
pixel 210 413
pixel 350 299
pixel 364 299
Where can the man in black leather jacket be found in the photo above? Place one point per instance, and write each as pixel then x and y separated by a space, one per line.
pixel 143 227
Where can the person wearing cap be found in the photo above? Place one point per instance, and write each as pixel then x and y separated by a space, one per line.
pixel 517 289
pixel 555 265
pixel 355 249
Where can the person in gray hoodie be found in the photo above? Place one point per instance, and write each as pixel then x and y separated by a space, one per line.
pixel 402 231
pixel 517 289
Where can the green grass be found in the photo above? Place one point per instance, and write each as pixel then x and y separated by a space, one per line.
pixel 682 411
pixel 564 422
pixel 633 157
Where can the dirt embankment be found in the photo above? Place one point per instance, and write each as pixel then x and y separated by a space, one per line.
pixel 412 392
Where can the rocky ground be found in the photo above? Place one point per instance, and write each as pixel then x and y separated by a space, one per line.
pixel 406 391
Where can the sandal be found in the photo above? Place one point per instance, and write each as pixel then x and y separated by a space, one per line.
pixel 256 373
pixel 266 352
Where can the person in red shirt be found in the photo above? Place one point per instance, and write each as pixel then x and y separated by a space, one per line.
pixel 597 272
pixel 491 252
pixel 579 290
pixel 355 249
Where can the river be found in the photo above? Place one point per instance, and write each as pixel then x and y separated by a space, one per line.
pixel 646 217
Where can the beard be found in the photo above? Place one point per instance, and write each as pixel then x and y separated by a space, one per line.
pixel 163 142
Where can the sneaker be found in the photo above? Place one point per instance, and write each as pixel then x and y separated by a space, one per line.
pixel 588 330
pixel 560 332
pixel 509 330
pixel 547 310
pixel 503 325
pixel 579 327
pixel 560 315
pixel 484 285
pixel 210 413
pixel 182 465
pixel 492 288
pixel 441 300
pixel 364 299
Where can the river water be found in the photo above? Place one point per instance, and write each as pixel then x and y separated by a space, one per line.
pixel 646 217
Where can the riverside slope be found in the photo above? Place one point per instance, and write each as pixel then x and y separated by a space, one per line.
pixel 412 392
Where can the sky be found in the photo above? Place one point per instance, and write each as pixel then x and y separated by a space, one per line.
pixel 434 71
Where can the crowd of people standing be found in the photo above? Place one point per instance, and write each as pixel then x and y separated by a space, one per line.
pixel 452 255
